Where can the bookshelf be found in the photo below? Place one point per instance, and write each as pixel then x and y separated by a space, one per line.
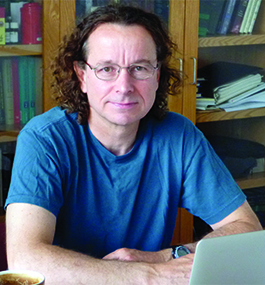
pixel 19 50
pixel 247 124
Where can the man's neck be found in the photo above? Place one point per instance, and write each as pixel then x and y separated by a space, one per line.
pixel 119 140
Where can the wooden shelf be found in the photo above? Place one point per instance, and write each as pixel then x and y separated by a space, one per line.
pixel 20 50
pixel 219 115
pixel 231 40
pixel 252 181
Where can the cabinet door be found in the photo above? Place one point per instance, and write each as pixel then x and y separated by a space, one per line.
pixel 59 17
pixel 183 24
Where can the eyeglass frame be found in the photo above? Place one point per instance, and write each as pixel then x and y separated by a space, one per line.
pixel 121 67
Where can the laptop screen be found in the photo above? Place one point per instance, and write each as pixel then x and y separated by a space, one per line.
pixel 233 259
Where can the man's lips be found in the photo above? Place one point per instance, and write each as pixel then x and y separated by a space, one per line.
pixel 122 105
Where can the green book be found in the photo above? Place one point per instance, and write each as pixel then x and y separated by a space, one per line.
pixel 32 86
pixel 8 91
pixel 2 102
pixel 23 89
pixel 38 85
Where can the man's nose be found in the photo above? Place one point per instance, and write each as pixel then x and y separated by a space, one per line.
pixel 124 82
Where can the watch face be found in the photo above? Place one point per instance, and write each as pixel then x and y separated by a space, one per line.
pixel 181 251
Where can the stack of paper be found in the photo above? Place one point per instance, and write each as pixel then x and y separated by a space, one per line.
pixel 254 98
pixel 242 93
pixel 235 88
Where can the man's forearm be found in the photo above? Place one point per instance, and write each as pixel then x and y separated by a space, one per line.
pixel 61 266
pixel 235 227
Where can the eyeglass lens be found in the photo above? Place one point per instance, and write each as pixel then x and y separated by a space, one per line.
pixel 137 71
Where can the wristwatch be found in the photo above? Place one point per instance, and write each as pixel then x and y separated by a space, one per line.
pixel 179 250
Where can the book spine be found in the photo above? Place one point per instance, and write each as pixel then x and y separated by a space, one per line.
pixel 2 26
pixel 203 24
pixel 246 16
pixel 250 16
pixel 149 6
pixel 8 91
pixel 226 18
pixel 2 102
pixel 39 85
pixel 15 78
pixel 23 89
pixel 254 17
pixel 31 86
pixel 215 10
pixel 238 16
pixel 161 8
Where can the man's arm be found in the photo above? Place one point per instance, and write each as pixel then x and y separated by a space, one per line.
pixel 30 232
pixel 242 220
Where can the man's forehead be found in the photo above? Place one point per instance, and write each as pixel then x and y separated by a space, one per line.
pixel 112 30
pixel 111 39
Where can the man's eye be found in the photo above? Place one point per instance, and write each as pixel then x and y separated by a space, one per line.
pixel 139 68
pixel 107 69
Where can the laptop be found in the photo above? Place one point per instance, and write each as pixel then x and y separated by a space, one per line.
pixel 234 259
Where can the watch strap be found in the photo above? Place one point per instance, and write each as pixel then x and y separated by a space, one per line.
pixel 179 250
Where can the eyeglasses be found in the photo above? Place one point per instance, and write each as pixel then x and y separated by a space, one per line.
pixel 108 72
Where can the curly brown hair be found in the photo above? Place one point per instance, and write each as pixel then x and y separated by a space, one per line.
pixel 66 85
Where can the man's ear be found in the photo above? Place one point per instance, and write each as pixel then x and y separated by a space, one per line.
pixel 81 75
pixel 158 74
pixel 158 77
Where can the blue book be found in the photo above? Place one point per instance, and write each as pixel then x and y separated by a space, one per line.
pixel 214 10
pixel 238 15
pixel 226 17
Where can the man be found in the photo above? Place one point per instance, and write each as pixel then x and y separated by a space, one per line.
pixel 97 183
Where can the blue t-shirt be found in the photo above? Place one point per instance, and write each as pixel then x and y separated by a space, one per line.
pixel 104 202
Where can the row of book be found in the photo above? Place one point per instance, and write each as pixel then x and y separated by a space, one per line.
pixel 159 7
pixel 227 16
pixel 230 87
pixel 20 89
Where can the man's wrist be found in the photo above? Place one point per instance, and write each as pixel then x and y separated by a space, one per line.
pixel 191 246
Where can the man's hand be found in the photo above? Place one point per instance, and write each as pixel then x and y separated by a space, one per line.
pixel 164 269
pixel 127 254
pixel 175 271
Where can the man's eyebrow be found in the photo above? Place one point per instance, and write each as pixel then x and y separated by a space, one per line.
pixel 135 62
pixel 143 61
pixel 106 62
